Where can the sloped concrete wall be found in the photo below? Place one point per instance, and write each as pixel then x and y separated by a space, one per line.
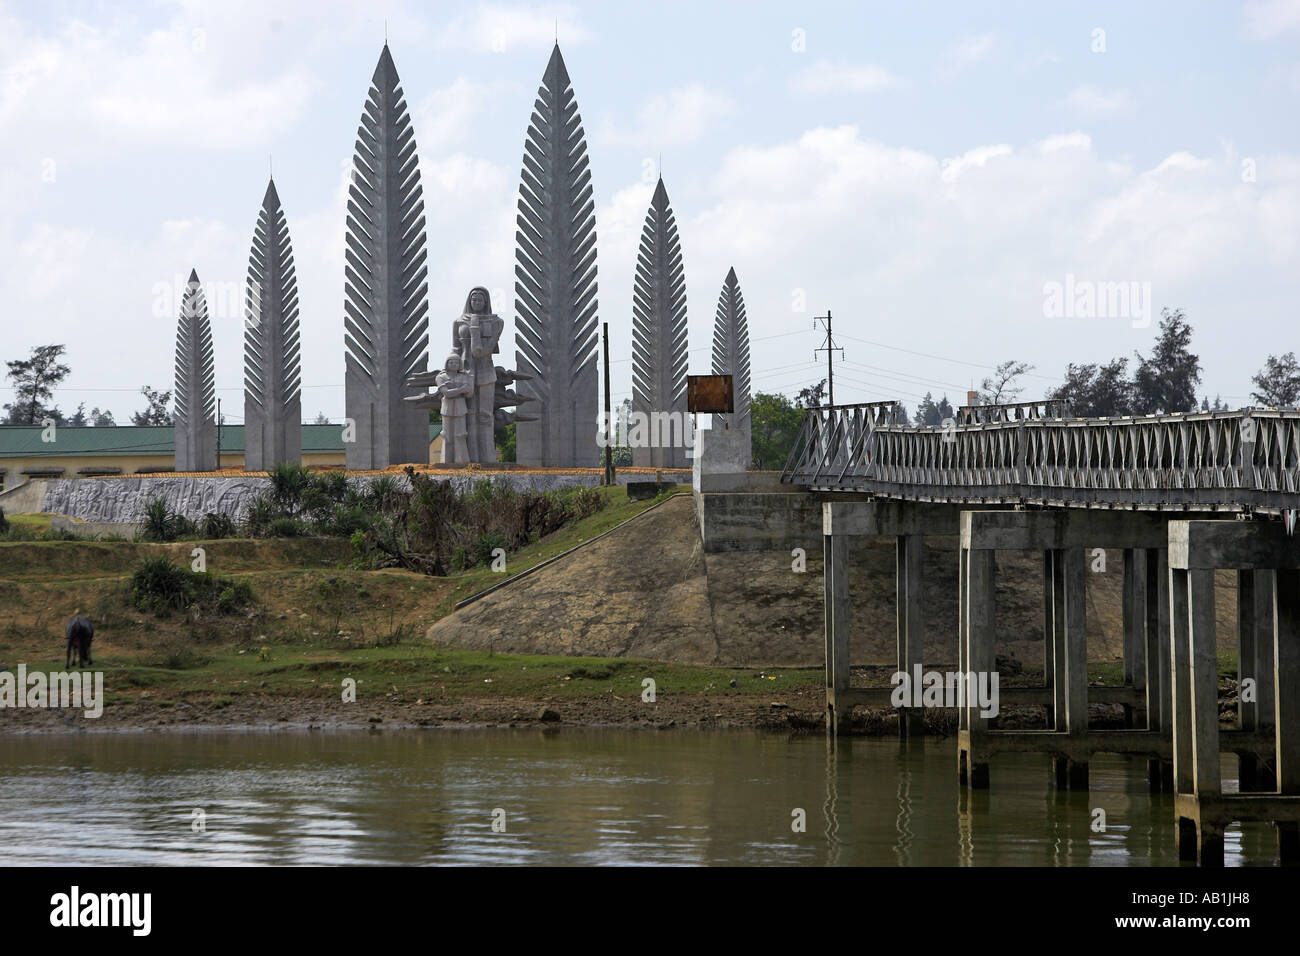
pixel 24 499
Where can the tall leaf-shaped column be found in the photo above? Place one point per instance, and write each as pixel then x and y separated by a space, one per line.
pixel 731 351
pixel 272 372
pixel 555 287
pixel 386 289
pixel 196 402
pixel 659 339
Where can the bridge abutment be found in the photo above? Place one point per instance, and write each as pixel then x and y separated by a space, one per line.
pixel 1065 538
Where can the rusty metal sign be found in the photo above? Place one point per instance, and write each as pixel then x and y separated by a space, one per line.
pixel 709 393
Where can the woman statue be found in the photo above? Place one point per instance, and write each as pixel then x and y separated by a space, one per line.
pixel 477 336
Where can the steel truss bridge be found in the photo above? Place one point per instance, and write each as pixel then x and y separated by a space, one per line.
pixel 1032 453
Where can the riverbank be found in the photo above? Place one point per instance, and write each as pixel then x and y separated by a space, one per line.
pixel 415 686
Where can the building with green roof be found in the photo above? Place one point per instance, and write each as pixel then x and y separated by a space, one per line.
pixel 83 451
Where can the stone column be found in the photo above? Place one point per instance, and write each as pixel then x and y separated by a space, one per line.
pixel 1286 702
pixel 909 584
pixel 839 621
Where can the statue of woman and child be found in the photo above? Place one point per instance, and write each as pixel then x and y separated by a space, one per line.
pixel 470 390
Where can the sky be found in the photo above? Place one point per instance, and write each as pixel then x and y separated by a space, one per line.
pixel 940 176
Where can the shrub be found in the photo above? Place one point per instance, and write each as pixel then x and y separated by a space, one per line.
pixel 4 522
pixel 289 482
pixel 286 528
pixel 161 586
pixel 485 544
pixel 216 525
pixel 160 524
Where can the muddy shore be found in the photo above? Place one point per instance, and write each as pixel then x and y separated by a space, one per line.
pixel 797 710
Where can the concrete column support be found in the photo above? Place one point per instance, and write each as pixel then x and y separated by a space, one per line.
pixel 977 636
pixel 1076 658
pixel 910 622
pixel 1049 637
pixel 1134 623
pixel 1286 678
pixel 839 622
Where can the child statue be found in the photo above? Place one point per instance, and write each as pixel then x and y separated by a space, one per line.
pixel 454 387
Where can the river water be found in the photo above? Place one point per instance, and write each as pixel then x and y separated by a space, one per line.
pixel 564 797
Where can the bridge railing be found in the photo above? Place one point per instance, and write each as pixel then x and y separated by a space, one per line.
pixel 1248 458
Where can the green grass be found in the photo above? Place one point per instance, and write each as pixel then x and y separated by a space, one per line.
pixel 34 522
pixel 418 670
pixel 286 658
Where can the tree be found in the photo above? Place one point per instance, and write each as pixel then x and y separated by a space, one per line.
pixel 1278 382
pixel 1094 390
pixel 102 419
pixel 321 419
pixel 926 411
pixel 930 412
pixel 79 416
pixel 811 397
pixel 1167 381
pixel 945 410
pixel 775 423
pixel 505 442
pixel 35 379
pixel 1000 387
pixel 155 412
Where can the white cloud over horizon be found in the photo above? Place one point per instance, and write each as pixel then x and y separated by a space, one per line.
pixel 937 242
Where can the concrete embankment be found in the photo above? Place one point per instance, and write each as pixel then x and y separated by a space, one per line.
pixel 123 500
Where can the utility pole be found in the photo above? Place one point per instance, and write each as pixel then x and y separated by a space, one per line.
pixel 218 434
pixel 609 452
pixel 830 348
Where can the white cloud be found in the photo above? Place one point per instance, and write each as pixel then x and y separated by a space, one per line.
pixel 951 257
pixel 978 157
pixel 679 117
pixel 447 117
pixel 101 85
pixel 966 53
pixel 826 77
pixel 1099 102
pixel 1269 19
pixel 495 28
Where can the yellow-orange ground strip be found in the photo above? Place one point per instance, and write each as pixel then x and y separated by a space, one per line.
pixel 474 469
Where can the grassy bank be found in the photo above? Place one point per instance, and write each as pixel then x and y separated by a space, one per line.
pixel 317 619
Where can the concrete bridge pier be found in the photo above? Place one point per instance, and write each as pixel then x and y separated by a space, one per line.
pixel 1134 624
pixel 1159 701
pixel 1201 809
pixel 839 625
pixel 1066 539
pixel 1255 662
pixel 909 523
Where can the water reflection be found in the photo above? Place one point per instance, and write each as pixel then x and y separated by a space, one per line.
pixel 572 797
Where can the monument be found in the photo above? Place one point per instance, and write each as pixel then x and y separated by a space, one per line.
pixel 731 352
pixel 471 391
pixel 272 370
pixel 659 340
pixel 555 288
pixel 385 288
pixel 196 419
